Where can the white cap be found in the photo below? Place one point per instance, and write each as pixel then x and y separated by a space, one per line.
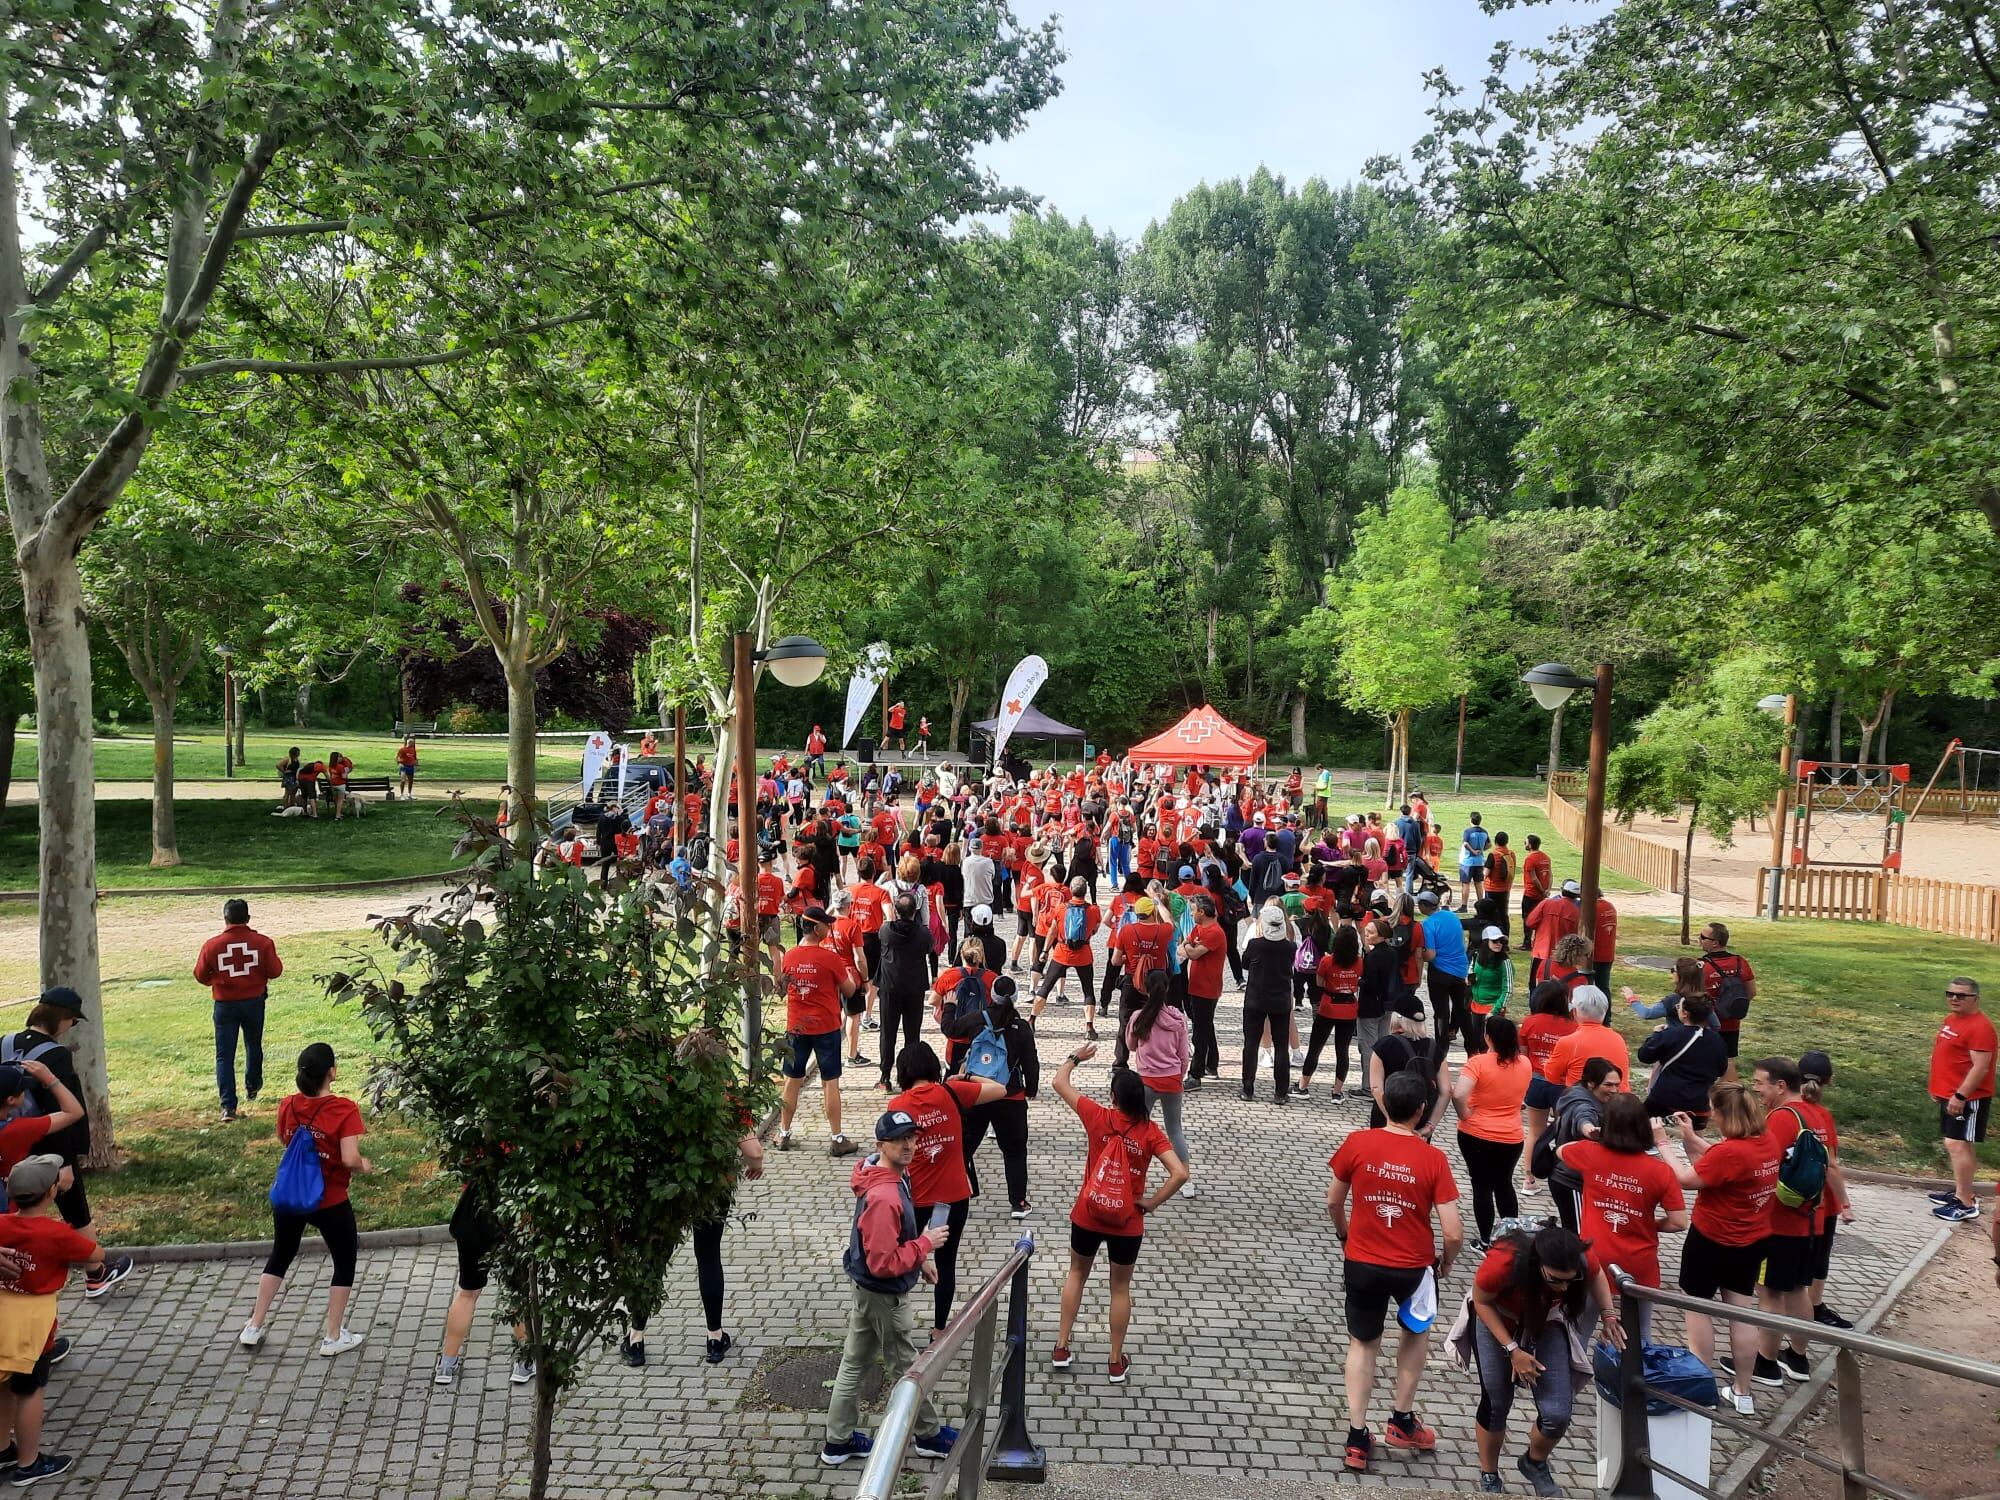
pixel 1492 935
pixel 982 916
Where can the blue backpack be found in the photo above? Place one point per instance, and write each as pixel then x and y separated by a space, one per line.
pixel 988 1057
pixel 1076 926
pixel 300 1183
pixel 33 1103
pixel 970 996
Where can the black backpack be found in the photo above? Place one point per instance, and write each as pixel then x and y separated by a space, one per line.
pixel 1732 995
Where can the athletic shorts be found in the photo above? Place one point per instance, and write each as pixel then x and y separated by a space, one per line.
pixel 475 1232
pixel 855 1004
pixel 28 1383
pixel 1024 922
pixel 73 1203
pixel 408 773
pixel 1822 1257
pixel 1708 1268
pixel 1788 1261
pixel 1371 1291
pixel 1474 873
pixel 801 1045
pixel 1730 1041
pixel 769 931
pixel 1087 1242
pixel 1970 1126
pixel 1543 1094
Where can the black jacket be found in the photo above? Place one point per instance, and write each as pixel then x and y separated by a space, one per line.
pixel 1024 1063
pixel 1681 1080
pixel 906 944
pixel 72 1144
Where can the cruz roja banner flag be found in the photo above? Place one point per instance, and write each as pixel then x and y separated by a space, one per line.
pixel 595 751
pixel 1022 684
pixel 867 677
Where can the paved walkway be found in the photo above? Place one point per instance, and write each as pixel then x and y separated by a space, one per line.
pixel 1237 1344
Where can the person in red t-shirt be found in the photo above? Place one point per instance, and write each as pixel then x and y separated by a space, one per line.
pixel 1111 1207
pixel 1537 875
pixel 1629 1197
pixel 335 1125
pixel 1735 1181
pixel 1077 919
pixel 1962 1083
pixel 1387 1184
pixel 1134 951
pixel 1816 1072
pixel 41 1249
pixel 22 1133
pixel 1529 1293
pixel 406 765
pixel 1204 952
pixel 1786 1284
pixel 817 982
pixel 1337 983
pixel 939 1186
pixel 1718 963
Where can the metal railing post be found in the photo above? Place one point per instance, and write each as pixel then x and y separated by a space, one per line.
pixel 1017 1459
pixel 1635 1425
pixel 971 1450
pixel 1853 1441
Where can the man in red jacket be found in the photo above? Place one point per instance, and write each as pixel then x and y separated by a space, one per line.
pixel 238 965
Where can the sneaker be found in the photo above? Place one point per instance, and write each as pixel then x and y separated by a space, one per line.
pixel 447 1370
pixel 1949 1195
pixel 872 1024
pixel 1956 1212
pixel 229 1117
pixel 1298 1057
pixel 1744 1402
pixel 1339 1093
pixel 1060 1358
pixel 1768 1372
pixel 1248 1096
pixel 1416 1436
pixel 251 1336
pixel 858 1061
pixel 1191 1084
pixel 523 1372
pixel 348 1339
pixel 58 1352
pixel 1795 1365
pixel 1021 1210
pixel 842 1146
pixel 46 1467
pixel 1538 1474
pixel 1489 1482
pixel 1480 1245
pixel 1090 1033
pixel 1264 1058
pixel 113 1273
pixel 1358 1454
pixel 1118 1369
pixel 1727 1366
pixel 1188 1189
pixel 1530 1187
pixel 1302 1091
pixel 937 1444
pixel 784 1140
pixel 719 1347
pixel 1826 1317
pixel 632 1351
pixel 833 1455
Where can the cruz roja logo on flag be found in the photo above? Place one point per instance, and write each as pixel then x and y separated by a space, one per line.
pixel 238 959
pixel 1013 705
pixel 1195 730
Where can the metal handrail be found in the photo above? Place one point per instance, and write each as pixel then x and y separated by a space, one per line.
pixel 1636 1466
pixel 1007 1453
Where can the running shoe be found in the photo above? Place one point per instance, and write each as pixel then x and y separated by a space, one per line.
pixel 229 1117
pixel 1415 1437
pixel 872 1024
pixel 784 1140
pixel 1060 1358
pixel 1744 1402
pixel 1489 1482
pixel 447 1371
pixel 1826 1317
pixel 937 1444
pixel 1090 1033
pixel 1795 1365
pixel 842 1146
pixel 46 1467
pixel 858 1061
pixel 1188 1189
pixel 58 1352
pixel 1538 1474
pixel 1359 1453
pixel 632 1351
pixel 347 1340
pixel 719 1347
pixel 1022 1210
pixel 1118 1370
pixel 1301 1091
pixel 251 1336
pixel 857 1445
pixel 1956 1212
pixel 523 1371
pixel 114 1272
pixel 1191 1083
pixel 1949 1195
pixel 1768 1372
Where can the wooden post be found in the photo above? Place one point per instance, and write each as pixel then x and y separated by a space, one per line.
pixel 680 776
pixel 1779 813
pixel 1593 814
pixel 746 852
pixel 1458 766
pixel 1964 804
pixel 229 716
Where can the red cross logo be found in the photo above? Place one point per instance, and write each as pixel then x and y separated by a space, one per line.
pixel 238 959
pixel 1013 705
pixel 1196 729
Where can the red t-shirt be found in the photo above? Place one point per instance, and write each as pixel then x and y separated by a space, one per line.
pixel 1204 974
pixel 886 825
pixel 1606 948
pixel 1781 1128
pixel 1395 1180
pixel 1143 947
pixel 1141 1141
pixel 1495 1277
pixel 1539 1035
pixel 331 1119
pixel 1621 1190
pixel 1552 921
pixel 18 1139
pixel 937 1171
pixel 1536 873
pixel 1739 1180
pixel 1093 918
pixel 813 974
pixel 1951 1054
pixel 871 905
pixel 48 1248
pixel 1339 989
pixel 770 894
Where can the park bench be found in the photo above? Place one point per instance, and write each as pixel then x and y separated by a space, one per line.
pixel 359 784
pixel 416 726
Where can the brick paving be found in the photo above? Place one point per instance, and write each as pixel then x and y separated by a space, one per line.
pixel 1237 1343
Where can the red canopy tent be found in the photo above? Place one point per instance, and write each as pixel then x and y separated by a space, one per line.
pixel 1202 738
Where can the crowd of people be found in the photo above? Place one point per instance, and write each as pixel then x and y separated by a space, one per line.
pixel 309 787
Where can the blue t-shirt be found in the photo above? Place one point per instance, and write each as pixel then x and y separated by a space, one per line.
pixel 1444 935
pixel 1411 833
pixel 1476 840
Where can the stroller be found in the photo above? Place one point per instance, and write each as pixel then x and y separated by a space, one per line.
pixel 1424 878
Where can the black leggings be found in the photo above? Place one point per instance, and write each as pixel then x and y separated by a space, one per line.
pixel 1451 1004
pixel 906 1011
pixel 335 1225
pixel 1302 989
pixel 1254 1022
pixel 1204 1051
pixel 1342 1033
pixel 1235 953
pixel 1490 1164
pixel 707 1273
pixel 1009 1121
pixel 946 1257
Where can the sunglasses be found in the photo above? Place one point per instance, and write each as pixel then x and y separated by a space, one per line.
pixel 1960 995
pixel 1554 1279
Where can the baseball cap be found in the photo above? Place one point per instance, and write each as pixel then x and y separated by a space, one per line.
pixel 895 1125
pixel 34 1177
pixel 816 916
pixel 13 1081
pixel 1817 1065
pixel 1492 935
pixel 1143 906
pixel 982 915
pixel 1427 898
pixel 1571 888
pixel 1187 872
pixel 62 997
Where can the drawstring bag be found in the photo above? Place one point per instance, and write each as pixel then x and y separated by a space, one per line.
pixel 300 1183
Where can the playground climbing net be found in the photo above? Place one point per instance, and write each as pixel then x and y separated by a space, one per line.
pixel 1849 813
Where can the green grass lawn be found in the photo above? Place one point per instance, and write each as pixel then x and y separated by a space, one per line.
pixel 239 842
pixel 1870 997
pixel 186 1176
pixel 198 756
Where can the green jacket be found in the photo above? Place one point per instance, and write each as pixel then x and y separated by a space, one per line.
pixel 1491 984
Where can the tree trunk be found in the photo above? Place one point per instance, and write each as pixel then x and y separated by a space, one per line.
pixel 545 1427
pixel 10 724
pixel 1834 736
pixel 1555 742
pixel 242 731
pixel 521 744
pixel 302 701
pixel 166 852
pixel 961 694
pixel 1213 610
pixel 662 709
pixel 1687 874
pixel 59 636
pixel 1299 723
pixel 1249 658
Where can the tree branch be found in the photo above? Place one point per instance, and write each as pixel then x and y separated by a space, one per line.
pixel 384 362
pixel 307 227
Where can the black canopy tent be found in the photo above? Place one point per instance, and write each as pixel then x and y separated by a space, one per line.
pixel 1034 725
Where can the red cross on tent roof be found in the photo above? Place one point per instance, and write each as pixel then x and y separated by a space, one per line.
pixel 1196 727
pixel 1203 737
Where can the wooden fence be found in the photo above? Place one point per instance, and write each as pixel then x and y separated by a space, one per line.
pixel 1658 865
pixel 1950 907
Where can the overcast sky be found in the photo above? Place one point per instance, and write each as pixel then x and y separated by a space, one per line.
pixel 1159 95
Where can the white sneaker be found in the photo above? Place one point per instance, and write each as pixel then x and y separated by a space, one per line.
pixel 251 1336
pixel 447 1371
pixel 1746 1404
pixel 1188 1189
pixel 1298 1057
pixel 523 1371
pixel 348 1339
pixel 1264 1057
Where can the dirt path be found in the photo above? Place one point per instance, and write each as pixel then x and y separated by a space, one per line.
pixel 1927 1433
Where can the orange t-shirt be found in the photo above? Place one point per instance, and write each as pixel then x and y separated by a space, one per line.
pixel 1493 1113
pixel 1590 1039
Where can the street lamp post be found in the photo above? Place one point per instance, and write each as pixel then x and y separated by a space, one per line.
pixel 1786 704
pixel 1552 683
pixel 796 661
